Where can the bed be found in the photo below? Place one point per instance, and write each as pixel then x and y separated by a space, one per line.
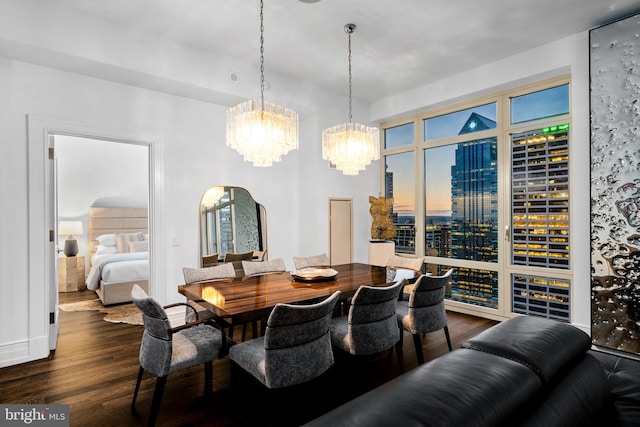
pixel 118 252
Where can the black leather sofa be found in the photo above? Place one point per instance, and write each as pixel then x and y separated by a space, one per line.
pixel 526 371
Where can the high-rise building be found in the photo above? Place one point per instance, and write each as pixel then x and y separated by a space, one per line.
pixel 474 214
pixel 405 240
pixel 540 220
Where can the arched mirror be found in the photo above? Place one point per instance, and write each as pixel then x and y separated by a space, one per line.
pixel 230 221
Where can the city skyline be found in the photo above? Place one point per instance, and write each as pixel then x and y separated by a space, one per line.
pixel 545 103
pixel 461 203
pixel 438 162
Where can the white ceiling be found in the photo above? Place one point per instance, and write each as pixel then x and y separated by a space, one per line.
pixel 398 44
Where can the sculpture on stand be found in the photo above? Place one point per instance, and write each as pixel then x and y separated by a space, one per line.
pixel 382 227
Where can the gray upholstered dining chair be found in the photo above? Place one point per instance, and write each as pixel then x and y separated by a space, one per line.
pixel 370 325
pixel 424 311
pixel 236 259
pixel 321 260
pixel 222 271
pixel 400 267
pixel 255 268
pixel 295 347
pixel 195 274
pixel 210 260
pixel 165 350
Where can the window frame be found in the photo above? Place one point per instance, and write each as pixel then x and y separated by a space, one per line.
pixel 502 132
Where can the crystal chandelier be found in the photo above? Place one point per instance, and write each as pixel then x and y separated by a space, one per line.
pixel 262 131
pixel 350 146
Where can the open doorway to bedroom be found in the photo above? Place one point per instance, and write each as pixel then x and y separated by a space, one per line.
pixel 102 187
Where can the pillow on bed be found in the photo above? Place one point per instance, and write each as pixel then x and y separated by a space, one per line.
pixel 106 249
pixel 107 239
pixel 138 246
pixel 123 239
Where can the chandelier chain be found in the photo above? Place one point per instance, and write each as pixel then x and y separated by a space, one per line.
pixel 350 147
pixel 261 131
pixel 261 55
pixel 350 98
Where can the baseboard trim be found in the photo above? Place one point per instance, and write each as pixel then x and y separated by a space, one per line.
pixel 24 351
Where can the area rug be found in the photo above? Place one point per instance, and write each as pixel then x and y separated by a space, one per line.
pixel 122 313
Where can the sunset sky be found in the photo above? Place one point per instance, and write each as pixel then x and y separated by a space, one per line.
pixel 438 161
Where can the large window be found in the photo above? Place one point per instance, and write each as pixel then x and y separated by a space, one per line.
pixel 461 122
pixel 399 184
pixel 493 201
pixel 541 104
pixel 461 195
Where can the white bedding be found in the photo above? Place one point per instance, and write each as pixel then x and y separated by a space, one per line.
pixel 120 267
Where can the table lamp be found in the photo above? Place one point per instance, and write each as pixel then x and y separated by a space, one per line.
pixel 70 228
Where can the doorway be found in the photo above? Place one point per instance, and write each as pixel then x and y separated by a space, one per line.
pixel 42 310
pixel 340 231
pixel 93 172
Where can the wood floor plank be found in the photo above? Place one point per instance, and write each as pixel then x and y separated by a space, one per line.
pixel 95 365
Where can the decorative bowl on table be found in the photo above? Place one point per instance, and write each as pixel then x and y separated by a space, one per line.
pixel 312 274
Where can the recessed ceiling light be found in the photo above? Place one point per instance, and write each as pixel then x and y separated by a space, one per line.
pixel 309 1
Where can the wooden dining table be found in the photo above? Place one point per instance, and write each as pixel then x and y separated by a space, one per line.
pixel 253 297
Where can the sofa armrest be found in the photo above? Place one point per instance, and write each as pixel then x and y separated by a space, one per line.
pixel 545 346
pixel 623 375
pixel 578 398
pixel 462 388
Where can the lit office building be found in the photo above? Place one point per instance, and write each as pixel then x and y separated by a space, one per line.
pixel 405 237
pixel 540 220
pixel 540 198
pixel 438 239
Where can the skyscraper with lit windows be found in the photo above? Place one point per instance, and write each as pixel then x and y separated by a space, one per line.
pixel 474 213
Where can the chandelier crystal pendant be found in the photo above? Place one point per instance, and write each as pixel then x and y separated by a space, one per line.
pixel 262 132
pixel 350 146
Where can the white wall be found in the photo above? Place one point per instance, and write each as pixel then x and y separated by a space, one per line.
pixel 191 136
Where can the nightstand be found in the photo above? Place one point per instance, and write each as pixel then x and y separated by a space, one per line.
pixel 71 274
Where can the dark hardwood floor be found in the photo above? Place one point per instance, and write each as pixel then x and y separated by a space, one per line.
pixel 94 369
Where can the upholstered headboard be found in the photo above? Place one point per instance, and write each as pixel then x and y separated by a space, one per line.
pixel 106 220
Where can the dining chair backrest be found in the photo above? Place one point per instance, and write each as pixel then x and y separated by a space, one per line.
pixel 402 275
pixel 236 259
pixel 426 303
pixel 221 271
pixel 321 260
pixel 410 263
pixel 210 260
pixel 372 320
pixel 407 266
pixel 230 256
pixel 193 275
pixel 297 342
pixel 156 345
pixel 254 268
